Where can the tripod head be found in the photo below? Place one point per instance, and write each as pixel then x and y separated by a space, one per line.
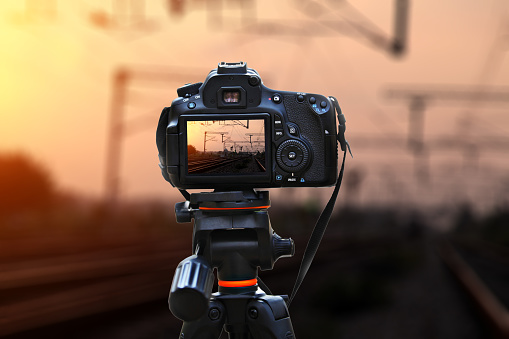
pixel 232 233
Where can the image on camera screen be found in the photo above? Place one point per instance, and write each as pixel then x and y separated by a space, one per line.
pixel 226 146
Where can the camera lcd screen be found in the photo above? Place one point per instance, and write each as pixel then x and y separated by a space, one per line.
pixel 231 96
pixel 226 147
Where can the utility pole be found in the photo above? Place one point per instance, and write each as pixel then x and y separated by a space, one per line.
pixel 124 15
pixel 354 24
pixel 419 99
pixel 204 142
pixel 212 138
pixel 399 41
pixel 120 127
pixel 245 142
pixel 116 134
pixel 254 134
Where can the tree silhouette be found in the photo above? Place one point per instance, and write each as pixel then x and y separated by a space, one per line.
pixel 24 185
pixel 191 149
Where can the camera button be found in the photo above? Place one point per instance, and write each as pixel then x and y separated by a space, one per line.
pixel 279 177
pixel 278 123
pixel 191 105
pixel 276 98
pixel 292 155
pixel 323 104
pixel 279 134
pixel 189 90
pixel 300 98
pixel 292 130
pixel 253 80
pixel 312 100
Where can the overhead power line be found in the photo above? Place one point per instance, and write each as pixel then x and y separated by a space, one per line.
pixel 419 98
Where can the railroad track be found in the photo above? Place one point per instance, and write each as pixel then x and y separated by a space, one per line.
pixel 260 165
pixel 484 276
pixel 207 165
pixel 48 291
pixel 39 292
pixel 44 291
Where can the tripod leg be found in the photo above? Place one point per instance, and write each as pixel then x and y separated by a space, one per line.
pixel 208 326
pixel 268 318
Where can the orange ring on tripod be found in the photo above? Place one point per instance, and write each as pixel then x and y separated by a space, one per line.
pixel 233 208
pixel 238 283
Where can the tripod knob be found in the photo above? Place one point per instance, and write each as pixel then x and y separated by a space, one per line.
pixel 282 247
pixel 183 212
pixel 191 288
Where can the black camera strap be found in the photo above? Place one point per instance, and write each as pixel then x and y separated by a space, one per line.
pixel 317 235
pixel 323 220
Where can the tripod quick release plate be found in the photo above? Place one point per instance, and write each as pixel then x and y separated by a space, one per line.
pixel 230 201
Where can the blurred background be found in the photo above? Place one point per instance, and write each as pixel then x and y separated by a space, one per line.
pixel 418 244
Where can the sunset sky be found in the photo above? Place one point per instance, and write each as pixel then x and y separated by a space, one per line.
pixel 56 76
pixel 235 131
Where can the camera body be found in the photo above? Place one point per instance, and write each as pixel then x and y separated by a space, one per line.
pixel 232 132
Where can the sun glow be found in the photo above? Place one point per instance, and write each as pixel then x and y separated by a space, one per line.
pixel 32 58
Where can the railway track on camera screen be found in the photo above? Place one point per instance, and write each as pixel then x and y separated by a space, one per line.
pixel 242 164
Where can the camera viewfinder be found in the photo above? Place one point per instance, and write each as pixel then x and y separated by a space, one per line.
pixel 231 96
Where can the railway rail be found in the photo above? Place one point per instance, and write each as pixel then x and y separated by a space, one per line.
pixel 38 292
pixel 484 276
pixel 205 165
pixel 216 164
pixel 260 165
pixel 46 291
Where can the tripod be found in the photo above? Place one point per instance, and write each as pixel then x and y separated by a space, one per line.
pixel 232 233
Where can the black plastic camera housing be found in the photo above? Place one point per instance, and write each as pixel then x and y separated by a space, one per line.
pixel 257 137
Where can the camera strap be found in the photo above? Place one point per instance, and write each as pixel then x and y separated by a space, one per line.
pixel 323 220
pixel 317 235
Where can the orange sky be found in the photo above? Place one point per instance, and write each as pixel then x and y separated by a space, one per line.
pixel 235 131
pixel 56 76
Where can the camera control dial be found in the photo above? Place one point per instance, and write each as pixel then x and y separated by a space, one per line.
pixel 292 155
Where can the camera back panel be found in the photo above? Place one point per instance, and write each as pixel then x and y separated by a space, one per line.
pixel 232 132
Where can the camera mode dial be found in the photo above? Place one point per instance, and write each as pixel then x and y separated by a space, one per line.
pixel 292 155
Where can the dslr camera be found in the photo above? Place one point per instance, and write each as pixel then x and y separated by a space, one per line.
pixel 232 132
